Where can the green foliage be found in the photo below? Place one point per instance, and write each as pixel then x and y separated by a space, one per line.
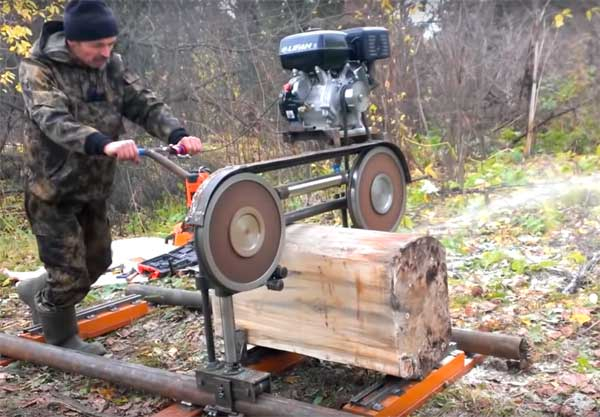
pixel 18 248
pixel 536 333
pixel 532 224
pixel 583 364
pixel 588 163
pixel 497 170
pixel 427 148
pixel 539 221
pixel 558 91
pixel 455 243
pixel 564 138
pixel 490 258
pixel 157 220
pixel 508 135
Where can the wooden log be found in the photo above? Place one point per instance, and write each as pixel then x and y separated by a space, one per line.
pixel 371 299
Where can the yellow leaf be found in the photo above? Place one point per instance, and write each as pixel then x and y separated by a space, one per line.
pixel 431 172
pixel 386 5
pixel 7 78
pixel 576 257
pixel 407 222
pixel 559 21
pixel 588 14
pixel 413 9
pixel 580 318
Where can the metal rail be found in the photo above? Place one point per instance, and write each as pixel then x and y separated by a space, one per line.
pixel 89 312
pixel 157 381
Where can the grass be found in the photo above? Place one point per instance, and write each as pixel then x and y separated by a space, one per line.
pixel 18 249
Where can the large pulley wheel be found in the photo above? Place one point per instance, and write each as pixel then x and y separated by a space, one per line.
pixel 241 239
pixel 377 190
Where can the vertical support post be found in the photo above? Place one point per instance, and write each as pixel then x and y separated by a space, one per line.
pixel 228 324
pixel 202 285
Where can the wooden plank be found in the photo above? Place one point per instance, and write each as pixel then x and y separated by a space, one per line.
pixel 371 299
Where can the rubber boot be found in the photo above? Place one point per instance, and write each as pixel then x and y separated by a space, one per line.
pixel 27 290
pixel 60 329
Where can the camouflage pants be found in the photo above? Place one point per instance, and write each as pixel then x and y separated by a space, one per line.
pixel 73 243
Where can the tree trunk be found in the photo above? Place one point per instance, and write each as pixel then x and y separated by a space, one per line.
pixel 530 142
pixel 371 299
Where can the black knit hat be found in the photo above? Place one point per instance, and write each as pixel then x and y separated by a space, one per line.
pixel 89 20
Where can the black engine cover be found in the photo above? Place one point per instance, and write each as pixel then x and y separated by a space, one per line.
pixel 326 49
pixel 368 43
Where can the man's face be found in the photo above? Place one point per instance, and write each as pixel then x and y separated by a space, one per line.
pixel 94 54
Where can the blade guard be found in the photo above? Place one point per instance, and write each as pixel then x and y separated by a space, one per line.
pixel 227 203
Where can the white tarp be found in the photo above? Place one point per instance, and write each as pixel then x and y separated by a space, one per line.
pixel 125 252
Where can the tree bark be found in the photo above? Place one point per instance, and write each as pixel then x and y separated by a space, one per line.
pixel 371 299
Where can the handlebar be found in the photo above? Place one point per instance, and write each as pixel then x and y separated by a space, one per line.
pixel 166 162
pixel 178 150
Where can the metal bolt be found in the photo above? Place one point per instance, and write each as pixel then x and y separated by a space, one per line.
pixel 377 407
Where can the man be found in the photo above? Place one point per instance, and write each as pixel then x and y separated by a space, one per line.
pixel 76 92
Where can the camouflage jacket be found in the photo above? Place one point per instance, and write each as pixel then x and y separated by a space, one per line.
pixel 73 112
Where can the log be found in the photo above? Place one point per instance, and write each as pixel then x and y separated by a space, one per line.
pixel 371 299
pixel 470 341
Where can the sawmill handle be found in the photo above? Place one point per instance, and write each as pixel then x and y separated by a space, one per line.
pixel 166 162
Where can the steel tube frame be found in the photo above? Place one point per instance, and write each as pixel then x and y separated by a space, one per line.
pixel 303 213
pixel 157 381
pixel 228 327
pixel 311 185
pixel 167 163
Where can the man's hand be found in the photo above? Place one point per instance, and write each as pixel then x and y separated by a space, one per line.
pixel 123 150
pixel 192 144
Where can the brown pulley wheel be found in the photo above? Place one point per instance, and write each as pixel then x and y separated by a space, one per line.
pixel 377 190
pixel 243 233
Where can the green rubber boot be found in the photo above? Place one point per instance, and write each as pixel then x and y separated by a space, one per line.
pixel 60 329
pixel 27 290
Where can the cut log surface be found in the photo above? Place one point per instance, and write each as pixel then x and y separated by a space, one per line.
pixel 371 299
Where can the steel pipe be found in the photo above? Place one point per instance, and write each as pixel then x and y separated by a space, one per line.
pixel 303 213
pixel 166 296
pixel 492 344
pixel 311 185
pixel 167 163
pixel 157 381
pixel 228 328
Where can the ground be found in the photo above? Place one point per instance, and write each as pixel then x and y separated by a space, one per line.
pixel 511 251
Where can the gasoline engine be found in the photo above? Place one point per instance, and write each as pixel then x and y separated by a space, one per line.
pixel 332 76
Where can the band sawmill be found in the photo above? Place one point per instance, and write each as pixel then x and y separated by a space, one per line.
pixel 361 294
